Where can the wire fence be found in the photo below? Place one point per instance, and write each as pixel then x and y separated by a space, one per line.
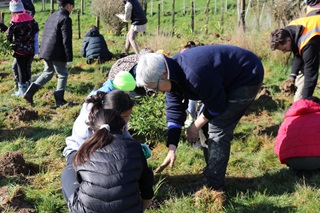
pixel 205 16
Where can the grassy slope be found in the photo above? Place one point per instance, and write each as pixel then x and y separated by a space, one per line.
pixel 256 181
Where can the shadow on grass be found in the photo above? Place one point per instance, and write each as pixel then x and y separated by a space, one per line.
pixel 33 133
pixel 78 70
pixel 80 88
pixel 281 183
pixel 18 179
pixel 261 104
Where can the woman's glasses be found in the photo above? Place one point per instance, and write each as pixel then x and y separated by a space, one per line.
pixel 153 91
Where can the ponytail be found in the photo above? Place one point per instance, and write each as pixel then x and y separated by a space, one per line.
pixel 98 101
pixel 105 122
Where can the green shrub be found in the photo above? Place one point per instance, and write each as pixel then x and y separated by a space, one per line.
pixel 5 46
pixel 148 119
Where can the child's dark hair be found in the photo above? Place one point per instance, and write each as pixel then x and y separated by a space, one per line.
pixel 106 122
pixel 63 3
pixel 116 100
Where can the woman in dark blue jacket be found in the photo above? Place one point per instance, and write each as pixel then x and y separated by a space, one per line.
pixel 112 170
pixel 225 78
pixel 94 47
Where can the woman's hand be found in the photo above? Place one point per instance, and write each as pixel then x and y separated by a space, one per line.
pixel 169 160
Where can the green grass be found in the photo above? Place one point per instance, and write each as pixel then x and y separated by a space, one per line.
pixel 256 182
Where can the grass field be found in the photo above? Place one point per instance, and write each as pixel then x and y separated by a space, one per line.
pixel 256 181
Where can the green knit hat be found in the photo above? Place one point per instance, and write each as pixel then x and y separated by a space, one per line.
pixel 124 81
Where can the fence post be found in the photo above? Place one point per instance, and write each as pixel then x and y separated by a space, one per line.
pixel 207 16
pixel 82 7
pixel 222 16
pixel 98 22
pixel 2 17
pixel 158 19
pixel 162 7
pixel 79 30
pixel 43 5
pixel 192 17
pixel 241 14
pixel 226 8
pixel 52 6
pixel 145 6
pixel 184 7
pixel 173 4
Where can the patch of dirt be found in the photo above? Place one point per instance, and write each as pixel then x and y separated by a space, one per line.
pixel 288 87
pixel 48 96
pixel 13 163
pixel 14 201
pixel 23 114
pixel 155 204
pixel 258 130
pixel 265 95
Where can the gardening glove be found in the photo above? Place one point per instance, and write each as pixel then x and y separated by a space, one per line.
pixel 69 64
pixel 169 160
pixel 288 87
pixel 146 150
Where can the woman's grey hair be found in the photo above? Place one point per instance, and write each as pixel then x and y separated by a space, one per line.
pixel 150 68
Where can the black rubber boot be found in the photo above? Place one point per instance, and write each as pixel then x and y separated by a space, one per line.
pixel 28 95
pixel 59 96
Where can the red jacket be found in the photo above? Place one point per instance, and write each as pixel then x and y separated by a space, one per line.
pixel 299 134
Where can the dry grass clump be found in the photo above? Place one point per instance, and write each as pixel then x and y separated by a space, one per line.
pixel 209 199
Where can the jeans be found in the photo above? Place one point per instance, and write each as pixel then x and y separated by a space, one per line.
pixel 304 163
pixel 220 133
pixel 299 82
pixel 49 68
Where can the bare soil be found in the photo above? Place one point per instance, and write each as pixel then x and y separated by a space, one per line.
pixel 13 164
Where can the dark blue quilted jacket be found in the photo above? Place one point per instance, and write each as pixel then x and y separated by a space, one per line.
pixel 115 179
pixel 94 46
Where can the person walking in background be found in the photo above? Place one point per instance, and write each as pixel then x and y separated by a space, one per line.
pixel 112 171
pixel 56 50
pixel 302 38
pixel 225 78
pixel 133 11
pixel 297 142
pixel 94 47
pixel 29 8
pixel 21 33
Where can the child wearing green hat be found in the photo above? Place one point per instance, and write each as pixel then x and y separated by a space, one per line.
pixel 122 81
